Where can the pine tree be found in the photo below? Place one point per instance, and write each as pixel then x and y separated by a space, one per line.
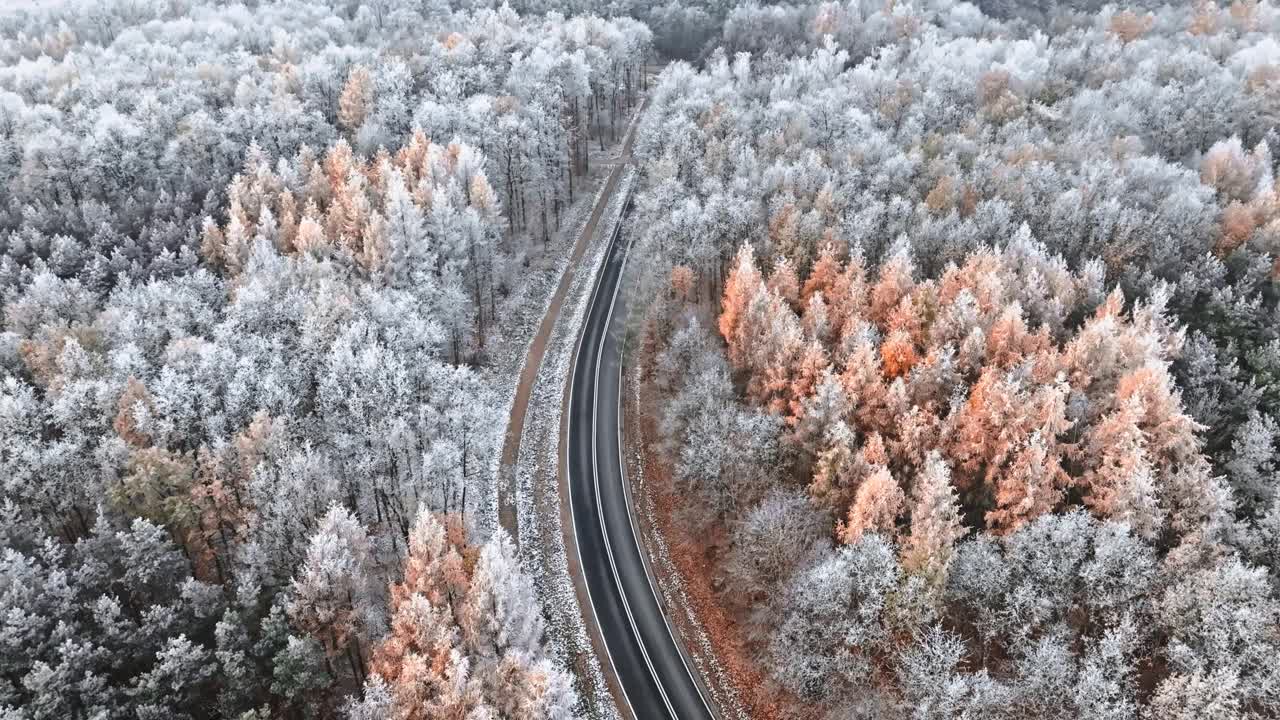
pixel 332 598
pixel 835 470
pixel 409 254
pixel 935 523
pixel 875 508
pixel 820 414
pixel 356 98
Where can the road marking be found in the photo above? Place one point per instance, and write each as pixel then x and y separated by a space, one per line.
pixel 608 320
pixel 573 521
pixel 595 473
pixel 622 476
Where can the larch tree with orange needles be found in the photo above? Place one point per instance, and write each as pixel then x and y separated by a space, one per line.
pixel 980 367
pixel 823 277
pixel 1121 481
pixel 1032 486
pixel 740 289
pixel 894 282
pixel 935 522
pixel 466 635
pixel 783 281
pixel 812 369
pixel 356 97
pixel 875 508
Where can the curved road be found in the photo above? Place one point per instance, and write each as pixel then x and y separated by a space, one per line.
pixel 657 681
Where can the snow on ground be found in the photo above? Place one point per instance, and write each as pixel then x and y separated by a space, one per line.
pixel 670 585
pixel 538 494
pixel 521 314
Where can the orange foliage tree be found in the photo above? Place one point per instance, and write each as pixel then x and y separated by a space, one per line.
pixel 465 635
pixel 985 375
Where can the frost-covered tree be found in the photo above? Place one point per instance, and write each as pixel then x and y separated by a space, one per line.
pixel 935 522
pixel 833 621
pixel 332 598
pixel 251 268
pixel 466 636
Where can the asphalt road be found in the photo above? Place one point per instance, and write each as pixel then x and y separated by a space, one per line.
pixel 654 676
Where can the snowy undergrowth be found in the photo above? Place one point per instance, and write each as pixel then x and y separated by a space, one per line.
pixel 522 313
pixel 671 585
pixel 542 547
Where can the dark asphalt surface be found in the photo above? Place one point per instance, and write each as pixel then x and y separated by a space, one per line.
pixel 654 676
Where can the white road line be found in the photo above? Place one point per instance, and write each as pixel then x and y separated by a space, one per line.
pixel 608 320
pixel 573 523
pixel 622 476
pixel 604 526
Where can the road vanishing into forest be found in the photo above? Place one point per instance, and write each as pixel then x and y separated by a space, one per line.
pixel 655 677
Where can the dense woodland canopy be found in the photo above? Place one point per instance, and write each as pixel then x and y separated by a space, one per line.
pixel 965 335
pixel 253 258
pixel 968 339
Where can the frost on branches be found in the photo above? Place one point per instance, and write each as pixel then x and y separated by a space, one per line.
pixel 979 368
pixel 252 263
pixel 963 336
pixel 465 636
pixel 1009 400
pixel 425 220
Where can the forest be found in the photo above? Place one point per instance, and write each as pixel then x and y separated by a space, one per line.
pixel 965 342
pixel 254 262
pixel 957 335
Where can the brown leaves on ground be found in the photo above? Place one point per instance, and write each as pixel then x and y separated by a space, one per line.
pixel 697 564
